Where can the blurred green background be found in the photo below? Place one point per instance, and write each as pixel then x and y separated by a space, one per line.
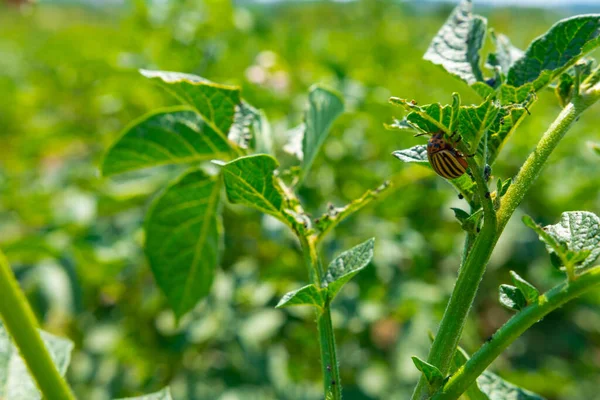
pixel 69 84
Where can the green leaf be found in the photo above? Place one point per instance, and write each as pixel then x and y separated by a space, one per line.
pixel 575 240
pixel 474 121
pixel 579 231
pixel 346 265
pixel 564 89
pixel 164 394
pixel 15 381
pixel 217 104
pixel 529 291
pixel 512 298
pixel 497 388
pixel 506 54
pixel 505 123
pixel 307 295
pixel 183 237
pixel 429 118
pixel 262 135
pixel 251 181
pixel 432 374
pixel 324 106
pixel 171 136
pixel 457 44
pixel 472 223
pixel 242 130
pixel 552 53
pixel 461 215
pixel 415 154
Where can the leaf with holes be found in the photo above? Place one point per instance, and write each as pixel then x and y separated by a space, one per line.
pixel 346 265
pixel 429 118
pixel 307 295
pixel 457 44
pixel 15 381
pixel 474 121
pixel 164 394
pixel 217 104
pixel 183 238
pixel 324 106
pixel 554 52
pixel 172 136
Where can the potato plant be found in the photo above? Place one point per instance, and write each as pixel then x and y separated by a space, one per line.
pixel 556 61
pixel 226 149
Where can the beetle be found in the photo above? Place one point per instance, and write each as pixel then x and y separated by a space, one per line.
pixel 444 158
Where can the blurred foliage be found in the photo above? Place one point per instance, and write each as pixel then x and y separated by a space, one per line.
pixel 69 84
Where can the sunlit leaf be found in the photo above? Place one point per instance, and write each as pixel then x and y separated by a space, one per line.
pixel 324 106
pixel 474 121
pixel 552 53
pixel 172 136
pixel 457 44
pixel 307 295
pixel 217 104
pixel 346 265
pixel 183 238
pixel 250 181
pixel 15 381
pixel 416 154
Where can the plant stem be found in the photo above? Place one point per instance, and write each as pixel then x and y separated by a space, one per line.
pixel 471 272
pixel 536 160
pixel 22 326
pixel 329 363
pixel 548 302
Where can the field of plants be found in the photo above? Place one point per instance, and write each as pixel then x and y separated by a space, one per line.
pixel 186 236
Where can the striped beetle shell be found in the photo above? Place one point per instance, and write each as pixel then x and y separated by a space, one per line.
pixel 445 160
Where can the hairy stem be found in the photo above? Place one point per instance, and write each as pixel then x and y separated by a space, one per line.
pixel 329 363
pixel 23 328
pixel 471 272
pixel 548 302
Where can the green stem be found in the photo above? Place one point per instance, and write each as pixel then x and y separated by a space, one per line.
pixel 536 160
pixel 556 297
pixel 472 270
pixel 329 363
pixel 23 328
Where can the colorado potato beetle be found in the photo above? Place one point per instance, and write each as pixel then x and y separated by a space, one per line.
pixel 445 160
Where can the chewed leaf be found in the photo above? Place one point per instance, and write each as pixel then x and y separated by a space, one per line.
pixel 171 136
pixel 529 291
pixel 242 129
pixel 496 388
pixel 432 374
pixel 215 103
pixel 416 154
pixel 457 44
pixel 512 298
pixel 307 295
pixel 15 380
pixel 346 265
pixel 183 238
pixel 474 121
pixel 552 53
pixel 428 118
pixel 164 394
